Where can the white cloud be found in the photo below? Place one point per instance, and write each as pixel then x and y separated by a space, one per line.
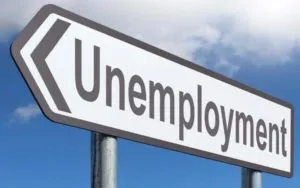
pixel 266 32
pixel 227 68
pixel 25 113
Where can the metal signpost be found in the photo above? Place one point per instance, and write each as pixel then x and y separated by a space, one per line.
pixel 104 161
pixel 86 75
pixel 251 178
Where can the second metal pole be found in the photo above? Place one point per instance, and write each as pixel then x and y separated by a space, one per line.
pixel 251 178
pixel 103 161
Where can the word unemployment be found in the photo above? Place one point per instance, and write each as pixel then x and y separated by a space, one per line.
pixel 142 96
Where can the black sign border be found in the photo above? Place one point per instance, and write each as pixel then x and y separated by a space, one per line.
pixel 46 10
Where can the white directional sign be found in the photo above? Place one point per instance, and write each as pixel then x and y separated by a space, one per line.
pixel 86 75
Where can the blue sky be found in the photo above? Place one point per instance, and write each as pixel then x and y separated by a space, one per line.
pixel 38 153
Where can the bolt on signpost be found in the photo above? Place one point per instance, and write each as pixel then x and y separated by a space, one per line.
pixel 89 76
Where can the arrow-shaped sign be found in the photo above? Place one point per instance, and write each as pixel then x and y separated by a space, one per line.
pixel 86 75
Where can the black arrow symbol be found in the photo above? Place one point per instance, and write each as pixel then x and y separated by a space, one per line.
pixel 39 56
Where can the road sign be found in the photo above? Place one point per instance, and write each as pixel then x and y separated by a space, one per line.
pixel 86 75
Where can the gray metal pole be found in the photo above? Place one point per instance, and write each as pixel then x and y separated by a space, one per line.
pixel 251 178
pixel 103 161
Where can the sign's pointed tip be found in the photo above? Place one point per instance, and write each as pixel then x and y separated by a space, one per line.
pixel 12 49
pixel 15 50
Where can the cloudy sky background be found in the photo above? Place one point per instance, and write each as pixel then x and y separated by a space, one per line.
pixel 233 32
